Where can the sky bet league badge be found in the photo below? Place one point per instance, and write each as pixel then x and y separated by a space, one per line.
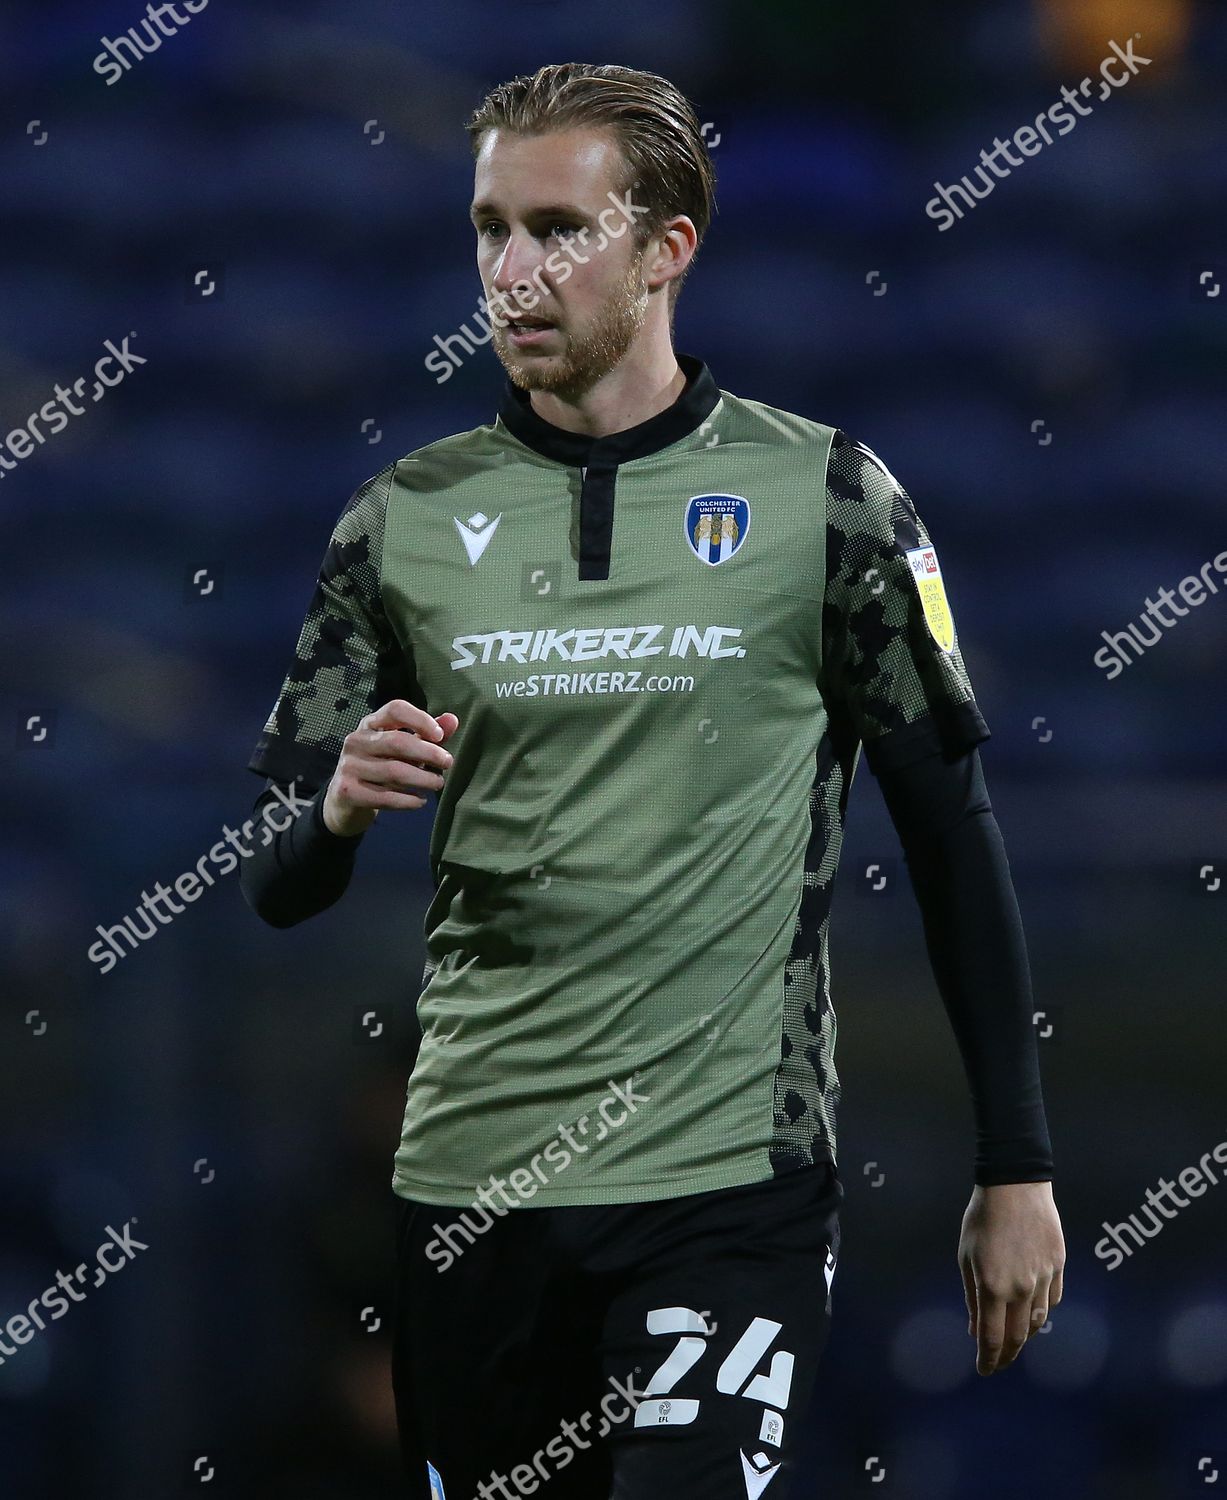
pixel 927 572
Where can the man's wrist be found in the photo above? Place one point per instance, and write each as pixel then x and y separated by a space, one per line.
pixel 337 826
pixel 1001 1158
pixel 339 838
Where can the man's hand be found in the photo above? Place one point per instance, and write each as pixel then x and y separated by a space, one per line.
pixel 393 751
pixel 1012 1255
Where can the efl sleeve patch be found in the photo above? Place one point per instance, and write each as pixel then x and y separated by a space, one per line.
pixel 927 572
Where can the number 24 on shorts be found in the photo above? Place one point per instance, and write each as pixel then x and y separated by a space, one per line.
pixel 771 1388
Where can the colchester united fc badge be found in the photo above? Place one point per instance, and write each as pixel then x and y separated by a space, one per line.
pixel 716 526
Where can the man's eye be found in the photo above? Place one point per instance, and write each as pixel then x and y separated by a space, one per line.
pixel 559 231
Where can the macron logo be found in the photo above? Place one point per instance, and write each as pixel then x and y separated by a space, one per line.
pixel 475 533
pixel 758 1473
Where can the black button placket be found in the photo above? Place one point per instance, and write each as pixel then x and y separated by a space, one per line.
pixel 596 513
pixel 598 459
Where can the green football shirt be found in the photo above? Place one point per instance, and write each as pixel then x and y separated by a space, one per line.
pixel 665 648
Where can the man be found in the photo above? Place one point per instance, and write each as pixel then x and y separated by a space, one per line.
pixel 634 634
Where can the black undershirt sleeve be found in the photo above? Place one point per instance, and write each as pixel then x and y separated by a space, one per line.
pixel 957 863
pixel 303 869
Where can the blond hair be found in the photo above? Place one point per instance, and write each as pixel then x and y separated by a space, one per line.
pixel 667 161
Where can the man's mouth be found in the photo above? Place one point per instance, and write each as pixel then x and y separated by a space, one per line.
pixel 526 333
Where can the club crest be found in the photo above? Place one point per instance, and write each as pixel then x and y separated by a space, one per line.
pixel 716 525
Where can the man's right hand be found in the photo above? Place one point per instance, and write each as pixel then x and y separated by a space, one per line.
pixel 393 751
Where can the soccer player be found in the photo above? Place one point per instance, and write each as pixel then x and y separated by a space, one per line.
pixel 634 634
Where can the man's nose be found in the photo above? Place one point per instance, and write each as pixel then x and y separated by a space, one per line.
pixel 516 269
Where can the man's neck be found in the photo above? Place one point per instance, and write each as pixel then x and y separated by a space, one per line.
pixel 634 391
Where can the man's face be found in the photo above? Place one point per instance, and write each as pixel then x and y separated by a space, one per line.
pixel 534 196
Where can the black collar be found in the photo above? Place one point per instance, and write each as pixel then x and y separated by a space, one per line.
pixel 693 406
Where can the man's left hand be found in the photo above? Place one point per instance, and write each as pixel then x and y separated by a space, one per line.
pixel 1012 1255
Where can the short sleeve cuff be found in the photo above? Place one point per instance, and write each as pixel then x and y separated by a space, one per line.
pixel 951 729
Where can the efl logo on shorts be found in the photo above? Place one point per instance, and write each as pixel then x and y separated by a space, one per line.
pixel 436 1483
pixel 716 526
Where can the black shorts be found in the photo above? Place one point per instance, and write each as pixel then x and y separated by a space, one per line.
pixel 638 1351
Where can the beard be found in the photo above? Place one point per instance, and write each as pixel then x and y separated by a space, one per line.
pixel 585 358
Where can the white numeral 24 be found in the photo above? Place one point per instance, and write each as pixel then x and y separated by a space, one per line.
pixel 772 1388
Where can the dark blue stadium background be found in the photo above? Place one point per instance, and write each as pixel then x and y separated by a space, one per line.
pixel 1048 379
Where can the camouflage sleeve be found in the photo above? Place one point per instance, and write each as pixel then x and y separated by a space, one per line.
pixel 892 671
pixel 348 660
